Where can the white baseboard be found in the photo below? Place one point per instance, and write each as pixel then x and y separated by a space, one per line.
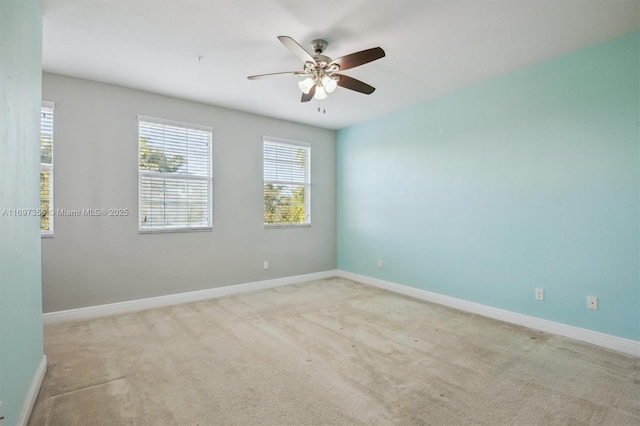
pixel 32 393
pixel 627 346
pixel 175 299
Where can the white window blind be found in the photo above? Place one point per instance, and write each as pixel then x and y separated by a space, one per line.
pixel 46 168
pixel 175 186
pixel 287 183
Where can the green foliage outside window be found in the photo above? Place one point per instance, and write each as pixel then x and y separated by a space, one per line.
pixel 156 160
pixel 280 208
pixel 45 197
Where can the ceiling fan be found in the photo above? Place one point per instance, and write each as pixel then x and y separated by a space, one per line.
pixel 321 72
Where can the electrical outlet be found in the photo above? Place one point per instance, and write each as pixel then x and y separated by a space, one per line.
pixel 265 264
pixel 592 302
pixel 539 294
pixel 380 263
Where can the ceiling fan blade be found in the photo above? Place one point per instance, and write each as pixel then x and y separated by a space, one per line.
pixel 296 49
pixel 306 97
pixel 354 84
pixel 276 74
pixel 359 58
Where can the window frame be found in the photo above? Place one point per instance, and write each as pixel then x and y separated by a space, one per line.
pixel 307 183
pixel 208 179
pixel 50 107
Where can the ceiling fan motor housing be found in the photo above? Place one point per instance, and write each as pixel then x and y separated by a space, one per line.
pixel 318 47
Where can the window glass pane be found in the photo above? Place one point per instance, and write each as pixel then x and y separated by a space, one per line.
pixel 284 204
pixel 46 170
pixel 151 202
pixel 45 200
pixel 175 176
pixel 46 136
pixel 286 183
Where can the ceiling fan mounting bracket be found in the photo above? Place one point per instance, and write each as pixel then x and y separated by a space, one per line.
pixel 318 45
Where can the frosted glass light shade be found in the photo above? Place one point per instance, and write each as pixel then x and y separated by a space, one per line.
pixel 320 93
pixel 329 84
pixel 306 85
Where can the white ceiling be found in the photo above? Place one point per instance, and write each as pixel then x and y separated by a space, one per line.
pixel 432 46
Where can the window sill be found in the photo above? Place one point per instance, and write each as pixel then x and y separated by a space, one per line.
pixel 171 231
pixel 286 225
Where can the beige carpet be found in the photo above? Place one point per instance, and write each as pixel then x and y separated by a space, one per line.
pixel 328 352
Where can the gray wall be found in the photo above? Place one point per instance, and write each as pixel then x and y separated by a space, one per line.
pixel 20 296
pixel 97 260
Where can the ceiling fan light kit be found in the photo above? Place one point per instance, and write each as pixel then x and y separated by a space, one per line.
pixel 320 72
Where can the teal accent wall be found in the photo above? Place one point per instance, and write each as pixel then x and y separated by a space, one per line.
pixel 21 348
pixel 527 180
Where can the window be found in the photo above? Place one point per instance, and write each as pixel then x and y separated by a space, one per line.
pixel 175 176
pixel 46 168
pixel 287 183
